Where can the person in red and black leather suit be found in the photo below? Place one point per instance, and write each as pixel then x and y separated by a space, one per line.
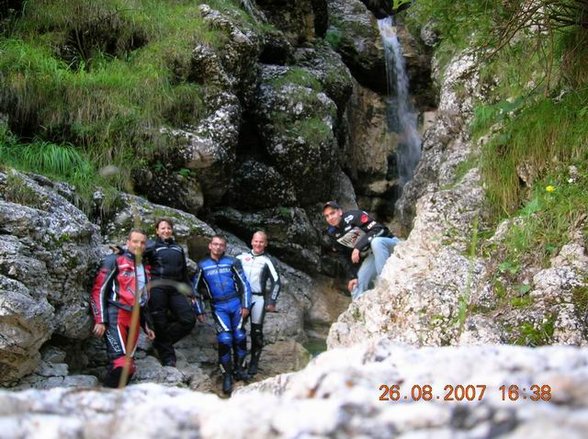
pixel 121 279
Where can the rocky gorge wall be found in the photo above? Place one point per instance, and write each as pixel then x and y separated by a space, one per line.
pixel 435 290
pixel 377 341
pixel 289 123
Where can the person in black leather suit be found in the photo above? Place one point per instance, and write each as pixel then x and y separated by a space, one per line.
pixel 169 272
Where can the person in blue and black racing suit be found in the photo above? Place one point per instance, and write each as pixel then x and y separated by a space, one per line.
pixel 224 284
pixel 260 269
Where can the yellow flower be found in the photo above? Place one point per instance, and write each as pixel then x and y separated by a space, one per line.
pixel 550 188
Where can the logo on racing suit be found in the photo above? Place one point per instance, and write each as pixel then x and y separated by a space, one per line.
pixel 350 238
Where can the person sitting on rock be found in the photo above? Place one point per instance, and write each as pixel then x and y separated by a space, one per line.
pixel 260 269
pixel 366 243
pixel 120 282
pixel 224 284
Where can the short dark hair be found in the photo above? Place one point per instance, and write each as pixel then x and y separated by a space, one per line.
pixel 136 230
pixel 332 204
pixel 162 220
pixel 219 236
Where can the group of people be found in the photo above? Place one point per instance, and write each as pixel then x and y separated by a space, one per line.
pixel 153 277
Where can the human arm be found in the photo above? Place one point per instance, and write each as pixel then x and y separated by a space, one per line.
pixel 271 276
pixel 344 267
pixel 242 285
pixel 371 229
pixel 198 282
pixel 98 297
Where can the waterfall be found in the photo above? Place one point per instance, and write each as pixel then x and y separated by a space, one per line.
pixel 402 117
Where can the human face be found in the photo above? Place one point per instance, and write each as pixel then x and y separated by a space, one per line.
pixel 164 230
pixel 217 247
pixel 258 243
pixel 136 243
pixel 332 216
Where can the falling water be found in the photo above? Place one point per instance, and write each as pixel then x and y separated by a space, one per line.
pixel 402 118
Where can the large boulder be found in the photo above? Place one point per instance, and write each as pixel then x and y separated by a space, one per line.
pixel 196 166
pixel 442 392
pixel 295 18
pixel 257 185
pixel 295 121
pixel 196 163
pixel 353 32
pixel 371 146
pixel 48 249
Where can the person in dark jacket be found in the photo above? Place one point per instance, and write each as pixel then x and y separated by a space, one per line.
pixel 366 243
pixel 171 310
pixel 121 280
pixel 224 284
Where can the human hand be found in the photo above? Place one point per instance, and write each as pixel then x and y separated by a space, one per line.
pixel 201 318
pixel 271 307
pixel 150 334
pixel 244 312
pixel 351 285
pixel 355 256
pixel 99 329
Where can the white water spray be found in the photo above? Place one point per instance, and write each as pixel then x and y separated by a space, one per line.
pixel 402 118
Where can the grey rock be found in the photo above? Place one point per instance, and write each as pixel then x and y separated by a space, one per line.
pixel 338 395
pixel 295 123
pixel 48 248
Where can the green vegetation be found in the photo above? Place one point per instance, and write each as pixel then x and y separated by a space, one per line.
pixel 17 191
pixel 534 126
pixel 299 76
pixel 529 334
pixel 62 162
pixel 334 37
pixel 94 82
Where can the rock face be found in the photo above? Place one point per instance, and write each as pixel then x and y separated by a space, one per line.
pixel 293 237
pixel 48 257
pixel 435 290
pixel 295 123
pixel 48 249
pixel 355 34
pixel 343 393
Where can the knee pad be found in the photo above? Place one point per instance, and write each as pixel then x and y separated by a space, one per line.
pixel 224 339
pixel 240 341
pixel 239 336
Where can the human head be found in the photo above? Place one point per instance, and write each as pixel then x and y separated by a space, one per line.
pixel 164 228
pixel 259 242
pixel 332 213
pixel 217 246
pixel 136 241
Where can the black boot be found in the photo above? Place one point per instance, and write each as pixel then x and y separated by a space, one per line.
pixel 240 372
pixel 227 379
pixel 252 370
pixel 256 347
pixel 113 376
